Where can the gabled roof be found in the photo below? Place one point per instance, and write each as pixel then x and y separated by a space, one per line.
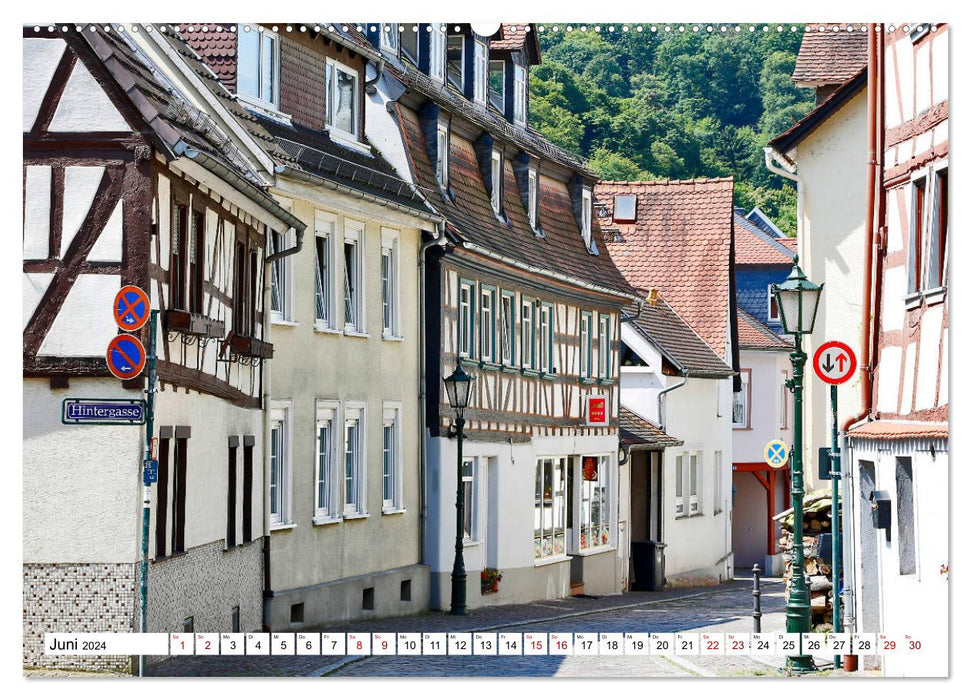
pixel 899 430
pixel 681 244
pixel 642 433
pixel 663 328
pixel 471 220
pixel 178 127
pixel 517 35
pixel 824 110
pixel 753 246
pixel 758 217
pixel 828 57
pixel 305 151
pixel 755 335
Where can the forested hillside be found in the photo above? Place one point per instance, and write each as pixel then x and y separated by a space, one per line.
pixel 644 105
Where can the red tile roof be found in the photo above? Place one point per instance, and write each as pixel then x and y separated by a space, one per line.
pixel 899 430
pixel 753 246
pixel 635 430
pixel 828 57
pixel 514 35
pixel 680 345
pixel 681 244
pixel 755 335
pixel 471 219
pixel 217 47
pixel 820 113
pixel 790 243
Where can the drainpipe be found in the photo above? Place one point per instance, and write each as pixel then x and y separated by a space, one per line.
pixel 633 317
pixel 439 240
pixel 662 392
pixel 874 84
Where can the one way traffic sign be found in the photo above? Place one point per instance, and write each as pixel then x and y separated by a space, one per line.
pixel 834 362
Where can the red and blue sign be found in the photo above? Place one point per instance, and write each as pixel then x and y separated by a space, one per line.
pixel 126 356
pixel 131 308
pixel 834 362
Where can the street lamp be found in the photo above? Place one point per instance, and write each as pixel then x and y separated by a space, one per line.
pixel 798 301
pixel 458 386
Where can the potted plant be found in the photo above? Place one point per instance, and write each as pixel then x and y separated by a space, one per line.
pixel 490 580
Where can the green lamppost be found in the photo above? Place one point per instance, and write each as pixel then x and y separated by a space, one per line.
pixel 798 300
pixel 458 386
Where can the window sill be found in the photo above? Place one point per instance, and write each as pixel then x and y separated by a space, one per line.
pixel 550 560
pixel 594 550
pixel 486 364
pixel 393 511
pixel 530 372
pixel 283 322
pixel 167 557
pixel 688 517
pixel 356 516
pixel 238 545
pixel 471 543
pixel 327 329
pixel 356 334
pixel 912 301
pixel 588 380
pixel 549 376
pixel 393 338
pixel 935 296
pixel 510 369
pixel 741 427
pixel 605 382
pixel 268 108
pixel 326 520
pixel 282 526
pixel 348 140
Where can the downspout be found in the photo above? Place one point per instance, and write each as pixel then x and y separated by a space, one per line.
pixel 624 455
pixel 633 317
pixel 873 88
pixel 439 240
pixel 266 378
pixel 662 392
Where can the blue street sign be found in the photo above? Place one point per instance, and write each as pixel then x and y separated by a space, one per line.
pixel 776 453
pixel 151 471
pixel 125 356
pixel 103 412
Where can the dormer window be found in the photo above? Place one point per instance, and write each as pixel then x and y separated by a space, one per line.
pixel 481 72
pixel 343 98
pixel 436 42
pixel 455 60
pixel 497 182
pixel 586 212
pixel 441 161
pixel 389 39
pixel 519 96
pixel 497 84
pixel 409 41
pixel 532 204
pixel 258 66
pixel 625 208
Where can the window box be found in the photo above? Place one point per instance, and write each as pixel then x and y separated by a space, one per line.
pixel 248 346
pixel 192 324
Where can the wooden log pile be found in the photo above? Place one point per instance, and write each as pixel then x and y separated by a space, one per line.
pixel 817 519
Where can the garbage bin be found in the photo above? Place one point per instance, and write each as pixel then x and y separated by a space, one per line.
pixel 648 560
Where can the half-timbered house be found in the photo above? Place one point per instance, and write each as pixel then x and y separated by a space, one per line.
pixel 898 456
pixel 345 427
pixel 125 182
pixel 527 300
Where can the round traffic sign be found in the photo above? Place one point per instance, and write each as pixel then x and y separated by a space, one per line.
pixel 131 308
pixel 834 362
pixel 126 356
pixel 776 454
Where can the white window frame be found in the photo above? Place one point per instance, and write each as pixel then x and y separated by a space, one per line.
pixel 328 416
pixel 502 93
pixel 538 554
pixel 487 323
pixel 480 89
pixel 784 400
pixel 412 30
pixel 603 346
pixel 330 85
pixel 391 418
pixel 498 170
pixel 507 334
pixel 680 510
pixel 461 82
pixel 354 411
pixel 606 503
pixel 745 376
pixel 465 337
pixel 273 103
pixel 519 95
pixel 719 481
pixel 325 227
pixel 281 418
pixel 547 323
pixel 532 197
pixel 471 535
pixel 281 277
pixel 586 344
pixel 354 234
pixel 695 471
pixel 391 307
pixel 586 216
pixel 527 332
pixel 441 163
pixel 389 38
pixel 436 46
pixel 769 304
pixel 931 228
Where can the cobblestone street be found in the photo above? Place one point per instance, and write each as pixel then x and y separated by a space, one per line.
pixel 723 608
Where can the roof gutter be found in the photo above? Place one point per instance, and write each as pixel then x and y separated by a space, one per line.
pixel 304 176
pixel 547 273
pixel 240 183
pixel 662 392
pixel 788 166
pixel 627 318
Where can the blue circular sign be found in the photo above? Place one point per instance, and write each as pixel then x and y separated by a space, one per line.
pixel 776 453
pixel 125 356
pixel 131 308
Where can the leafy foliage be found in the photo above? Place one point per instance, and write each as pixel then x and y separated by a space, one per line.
pixel 678 105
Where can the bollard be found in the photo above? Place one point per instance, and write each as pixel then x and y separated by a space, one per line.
pixel 757 595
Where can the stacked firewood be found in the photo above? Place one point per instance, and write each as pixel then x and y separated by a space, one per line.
pixel 817 512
